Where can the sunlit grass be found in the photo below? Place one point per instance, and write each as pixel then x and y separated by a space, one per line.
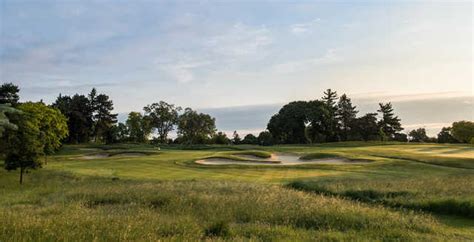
pixel 408 192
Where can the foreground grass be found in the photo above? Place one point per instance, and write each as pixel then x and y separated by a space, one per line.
pixel 408 192
pixel 451 195
pixel 60 206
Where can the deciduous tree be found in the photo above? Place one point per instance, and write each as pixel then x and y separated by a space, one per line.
pixel 163 117
pixel 138 127
pixel 463 131
pixel 418 135
pixel 40 131
pixel 195 128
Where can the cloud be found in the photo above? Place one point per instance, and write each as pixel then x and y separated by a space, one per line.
pixel 305 64
pixel 302 28
pixel 183 71
pixel 229 48
pixel 371 96
pixel 240 40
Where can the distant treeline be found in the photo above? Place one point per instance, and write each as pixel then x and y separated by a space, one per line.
pixel 90 118
pixel 32 130
pixel 334 119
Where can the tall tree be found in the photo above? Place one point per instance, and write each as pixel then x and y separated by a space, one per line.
pixel 40 130
pixel 347 114
pixel 418 135
pixel 366 127
pixel 331 121
pixel 463 131
pixel 195 128
pixel 104 119
pixel 9 94
pixel 220 138
pixel 4 120
pixel 445 136
pixel 265 138
pixel 389 124
pixel 250 139
pixel 236 138
pixel 138 127
pixel 289 124
pixel 79 113
pixel 163 117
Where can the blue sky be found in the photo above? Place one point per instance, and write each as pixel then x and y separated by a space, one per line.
pixel 213 55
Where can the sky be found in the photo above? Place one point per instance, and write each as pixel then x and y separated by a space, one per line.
pixel 242 60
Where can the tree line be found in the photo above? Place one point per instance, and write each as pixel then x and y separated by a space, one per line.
pixel 30 131
pixel 333 119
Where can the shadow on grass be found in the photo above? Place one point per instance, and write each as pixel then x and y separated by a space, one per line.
pixel 409 200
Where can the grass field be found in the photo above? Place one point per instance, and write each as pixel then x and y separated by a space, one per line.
pixel 137 192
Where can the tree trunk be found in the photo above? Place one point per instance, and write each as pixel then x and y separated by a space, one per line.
pixel 21 175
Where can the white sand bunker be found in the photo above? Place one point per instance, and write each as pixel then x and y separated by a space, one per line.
pixel 278 160
pixel 95 156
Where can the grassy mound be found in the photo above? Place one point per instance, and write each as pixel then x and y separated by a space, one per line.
pixel 256 153
pixel 313 156
pixel 59 206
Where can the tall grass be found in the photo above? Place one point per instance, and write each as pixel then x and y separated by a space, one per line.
pixel 59 206
pixel 451 195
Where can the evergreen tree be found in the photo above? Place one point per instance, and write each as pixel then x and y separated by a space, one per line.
pixel 331 122
pixel 104 120
pixel 79 114
pixel 389 124
pixel 346 114
pixel 9 94
pixel 366 127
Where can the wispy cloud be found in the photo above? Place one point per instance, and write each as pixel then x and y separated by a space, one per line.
pixel 240 40
pixel 302 28
pixel 330 56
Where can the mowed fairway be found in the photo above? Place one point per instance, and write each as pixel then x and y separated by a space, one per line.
pixel 137 192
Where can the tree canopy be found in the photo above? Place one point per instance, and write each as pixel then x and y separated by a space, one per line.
pixel 463 131
pixel 162 117
pixel 418 135
pixel 195 128
pixel 9 94
pixel 40 131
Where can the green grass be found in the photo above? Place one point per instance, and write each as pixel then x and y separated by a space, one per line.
pixel 451 195
pixel 409 193
pixel 61 206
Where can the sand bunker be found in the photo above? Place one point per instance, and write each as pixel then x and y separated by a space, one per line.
pixel 277 160
pixel 94 156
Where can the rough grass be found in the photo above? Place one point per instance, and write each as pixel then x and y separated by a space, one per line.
pixel 451 195
pixel 410 193
pixel 313 156
pixel 256 153
pixel 59 206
